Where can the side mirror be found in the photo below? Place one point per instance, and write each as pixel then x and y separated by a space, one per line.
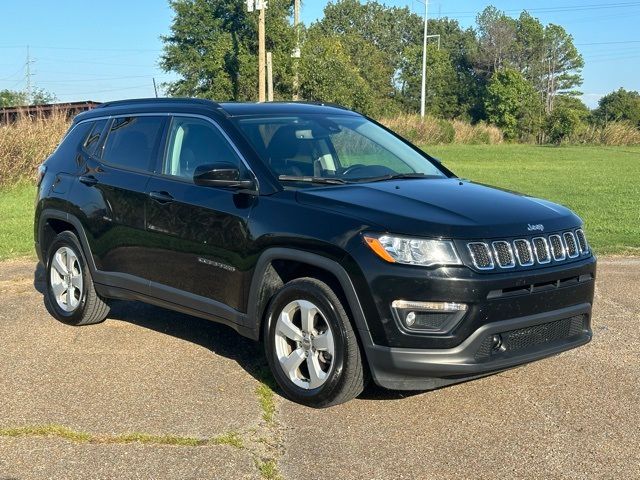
pixel 224 175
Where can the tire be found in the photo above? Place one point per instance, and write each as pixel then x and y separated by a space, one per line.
pixel 325 364
pixel 70 296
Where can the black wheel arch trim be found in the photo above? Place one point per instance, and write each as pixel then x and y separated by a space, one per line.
pixel 257 306
pixel 51 213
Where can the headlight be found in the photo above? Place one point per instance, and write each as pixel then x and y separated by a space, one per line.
pixel 413 251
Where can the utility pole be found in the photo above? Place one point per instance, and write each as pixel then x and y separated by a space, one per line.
pixel 262 6
pixel 155 88
pixel 269 77
pixel 424 61
pixel 296 52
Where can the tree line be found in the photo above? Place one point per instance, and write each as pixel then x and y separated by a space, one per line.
pixel 515 73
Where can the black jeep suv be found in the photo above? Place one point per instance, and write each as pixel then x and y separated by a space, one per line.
pixel 346 250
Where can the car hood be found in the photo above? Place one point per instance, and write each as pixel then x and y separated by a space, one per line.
pixel 450 208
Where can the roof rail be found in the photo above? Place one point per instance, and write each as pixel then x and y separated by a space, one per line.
pixel 322 104
pixel 139 101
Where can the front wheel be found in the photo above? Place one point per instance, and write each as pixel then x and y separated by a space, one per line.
pixel 311 346
pixel 70 295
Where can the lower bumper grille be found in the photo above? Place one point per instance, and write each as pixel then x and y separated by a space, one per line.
pixel 530 337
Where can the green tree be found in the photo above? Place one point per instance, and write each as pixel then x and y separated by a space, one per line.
pixel 619 105
pixel 40 96
pixel 328 73
pixel 496 41
pixel 569 116
pixel 564 65
pixel 12 98
pixel 512 104
pixel 213 47
pixel 442 82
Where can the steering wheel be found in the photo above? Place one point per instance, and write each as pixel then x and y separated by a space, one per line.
pixel 364 171
pixel 352 168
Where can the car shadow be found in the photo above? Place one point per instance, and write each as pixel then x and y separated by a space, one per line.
pixel 219 339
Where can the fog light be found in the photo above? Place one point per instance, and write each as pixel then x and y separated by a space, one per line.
pixel 430 317
pixel 496 342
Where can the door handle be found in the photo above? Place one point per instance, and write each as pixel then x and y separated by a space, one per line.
pixel 89 180
pixel 162 197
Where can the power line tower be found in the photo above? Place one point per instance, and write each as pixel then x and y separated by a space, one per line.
pixel 28 74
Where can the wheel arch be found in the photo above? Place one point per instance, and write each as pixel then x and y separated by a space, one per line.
pixel 52 222
pixel 276 266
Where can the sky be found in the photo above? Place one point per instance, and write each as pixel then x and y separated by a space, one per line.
pixel 82 50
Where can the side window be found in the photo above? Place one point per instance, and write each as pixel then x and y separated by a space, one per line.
pixel 93 138
pixel 194 142
pixel 133 142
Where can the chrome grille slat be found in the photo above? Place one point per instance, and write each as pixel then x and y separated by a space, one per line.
pixel 523 252
pixel 572 246
pixel 504 254
pixel 557 247
pixel 481 255
pixel 582 242
pixel 541 250
pixel 527 252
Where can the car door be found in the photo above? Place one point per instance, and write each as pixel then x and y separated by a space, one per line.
pixel 199 234
pixel 113 188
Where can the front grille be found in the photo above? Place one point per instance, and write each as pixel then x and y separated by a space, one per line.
pixel 572 248
pixel 481 255
pixel 523 252
pixel 531 337
pixel 504 254
pixel 557 248
pixel 582 242
pixel 541 249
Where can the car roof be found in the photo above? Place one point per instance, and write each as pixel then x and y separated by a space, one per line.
pixel 228 109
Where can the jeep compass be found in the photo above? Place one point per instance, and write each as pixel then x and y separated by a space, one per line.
pixel 347 251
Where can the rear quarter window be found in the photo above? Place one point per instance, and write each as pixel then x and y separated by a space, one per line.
pixel 66 157
pixel 133 142
pixel 93 138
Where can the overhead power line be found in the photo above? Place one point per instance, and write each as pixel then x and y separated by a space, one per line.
pixel 567 8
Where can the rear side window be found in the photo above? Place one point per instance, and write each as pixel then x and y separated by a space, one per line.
pixel 91 143
pixel 133 142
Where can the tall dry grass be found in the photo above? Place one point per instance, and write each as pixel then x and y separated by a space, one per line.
pixel 612 134
pixel 26 143
pixel 435 131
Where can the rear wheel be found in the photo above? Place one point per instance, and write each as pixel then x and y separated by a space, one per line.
pixel 70 295
pixel 311 346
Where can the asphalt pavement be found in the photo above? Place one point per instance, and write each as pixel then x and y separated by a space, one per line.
pixel 156 394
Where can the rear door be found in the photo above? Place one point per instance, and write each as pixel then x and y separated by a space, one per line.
pixel 113 186
pixel 199 234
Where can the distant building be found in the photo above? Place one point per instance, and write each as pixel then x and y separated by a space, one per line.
pixel 10 114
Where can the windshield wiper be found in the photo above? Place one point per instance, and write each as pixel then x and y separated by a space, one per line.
pixel 296 178
pixel 394 176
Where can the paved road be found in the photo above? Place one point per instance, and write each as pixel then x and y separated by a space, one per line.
pixel 155 394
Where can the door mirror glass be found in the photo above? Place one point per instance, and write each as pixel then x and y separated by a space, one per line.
pixel 220 175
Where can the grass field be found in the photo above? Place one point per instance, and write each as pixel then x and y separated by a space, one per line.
pixel 16 221
pixel 601 184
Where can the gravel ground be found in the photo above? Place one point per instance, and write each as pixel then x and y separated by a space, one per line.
pixel 156 394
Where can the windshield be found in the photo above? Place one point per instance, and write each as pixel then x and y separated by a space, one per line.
pixel 333 149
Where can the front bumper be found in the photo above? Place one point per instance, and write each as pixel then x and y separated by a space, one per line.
pixel 525 339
